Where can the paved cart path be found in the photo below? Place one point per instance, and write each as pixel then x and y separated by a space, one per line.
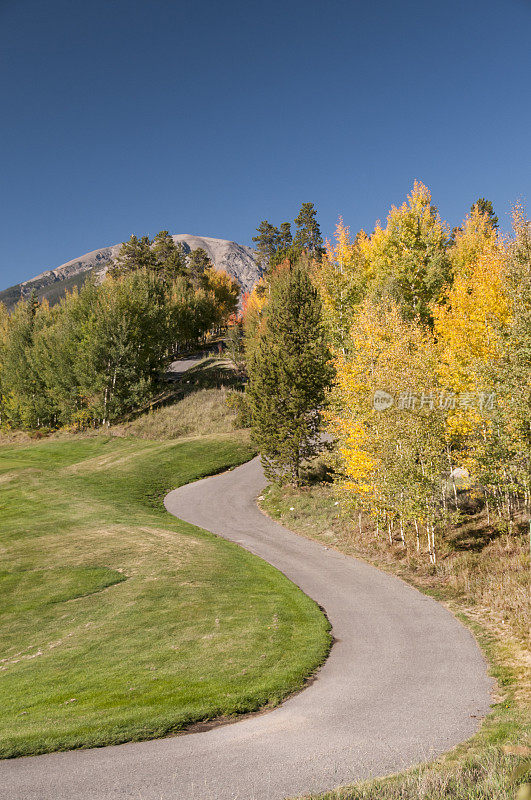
pixel 404 682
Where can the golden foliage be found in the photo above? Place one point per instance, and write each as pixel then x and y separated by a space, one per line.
pixel 406 260
pixel 469 321
pixel 385 455
pixel 341 278
pixel 417 317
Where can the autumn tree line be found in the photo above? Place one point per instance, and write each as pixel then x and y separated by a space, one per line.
pixel 411 348
pixel 102 350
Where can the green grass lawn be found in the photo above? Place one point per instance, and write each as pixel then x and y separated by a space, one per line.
pixel 119 622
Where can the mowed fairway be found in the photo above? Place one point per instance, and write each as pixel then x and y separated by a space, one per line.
pixel 119 622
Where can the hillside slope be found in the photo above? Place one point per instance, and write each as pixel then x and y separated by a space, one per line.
pixel 236 259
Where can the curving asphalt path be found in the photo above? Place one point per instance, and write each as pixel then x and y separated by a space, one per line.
pixel 404 682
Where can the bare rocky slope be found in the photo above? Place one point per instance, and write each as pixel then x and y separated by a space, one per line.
pixel 236 259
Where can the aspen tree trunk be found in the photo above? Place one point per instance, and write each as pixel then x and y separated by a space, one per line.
pixel 429 540
pixel 497 502
pixel 417 535
pixel 430 533
pixel 402 532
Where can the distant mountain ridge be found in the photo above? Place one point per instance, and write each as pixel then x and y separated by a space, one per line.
pixel 236 259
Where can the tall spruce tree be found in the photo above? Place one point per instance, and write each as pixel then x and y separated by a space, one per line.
pixel 266 242
pixel 285 238
pixel 161 256
pixel 486 208
pixel 289 372
pixel 198 263
pixel 308 235
pixel 170 258
pixel 134 254
pixel 285 249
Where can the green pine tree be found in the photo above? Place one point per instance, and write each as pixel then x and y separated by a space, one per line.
pixel 285 248
pixel 308 235
pixel 266 242
pixel 486 208
pixel 285 237
pixel 198 262
pixel 134 254
pixel 170 258
pixel 288 375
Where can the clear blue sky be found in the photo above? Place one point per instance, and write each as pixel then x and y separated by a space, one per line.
pixel 123 116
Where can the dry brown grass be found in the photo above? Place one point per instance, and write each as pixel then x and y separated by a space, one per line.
pixel 493 777
pixel 13 437
pixel 201 413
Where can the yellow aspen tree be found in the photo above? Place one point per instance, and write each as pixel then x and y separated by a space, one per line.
pixel 252 315
pixel 255 303
pixel 341 278
pixel 467 325
pixel 225 289
pixel 390 458
pixel 504 454
pixel 407 259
